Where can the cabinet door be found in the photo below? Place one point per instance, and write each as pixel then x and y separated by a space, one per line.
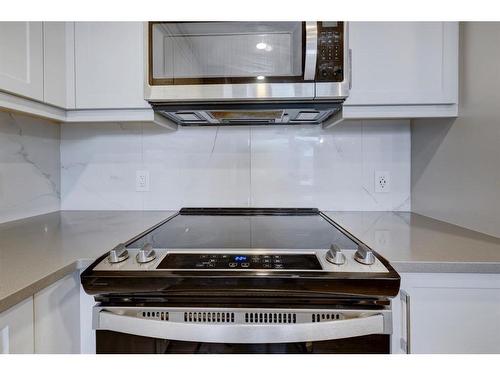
pixel 57 317
pixel 450 313
pixel 59 64
pixel 109 65
pixel 396 63
pixel 16 329
pixel 21 58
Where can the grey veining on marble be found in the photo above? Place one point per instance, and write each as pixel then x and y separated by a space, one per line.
pixel 38 251
pixel 416 243
pixel 292 166
pixel 29 166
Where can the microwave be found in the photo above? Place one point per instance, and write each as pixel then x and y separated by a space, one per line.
pixel 240 72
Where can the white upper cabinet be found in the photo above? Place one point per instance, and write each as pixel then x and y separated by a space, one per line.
pixel 109 65
pixel 403 63
pixel 21 58
pixel 399 70
pixel 59 64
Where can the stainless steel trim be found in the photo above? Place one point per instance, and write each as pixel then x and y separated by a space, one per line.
pixel 405 343
pixel 354 323
pixel 350 264
pixel 311 51
pixel 231 92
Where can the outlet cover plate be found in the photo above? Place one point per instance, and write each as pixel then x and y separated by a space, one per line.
pixel 382 182
pixel 142 180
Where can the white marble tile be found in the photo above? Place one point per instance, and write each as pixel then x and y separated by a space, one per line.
pixel 29 166
pixel 303 166
pixel 98 163
pixel 308 166
pixel 197 167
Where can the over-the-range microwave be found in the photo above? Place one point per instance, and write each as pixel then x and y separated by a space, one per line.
pixel 213 73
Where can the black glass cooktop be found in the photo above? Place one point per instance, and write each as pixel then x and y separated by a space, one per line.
pixel 246 229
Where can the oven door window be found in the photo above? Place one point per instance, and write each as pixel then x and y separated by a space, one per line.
pixel 183 53
pixel 109 342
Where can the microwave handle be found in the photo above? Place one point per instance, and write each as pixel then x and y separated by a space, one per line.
pixel 242 333
pixel 311 51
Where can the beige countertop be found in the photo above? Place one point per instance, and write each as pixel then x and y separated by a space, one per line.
pixel 37 251
pixel 416 243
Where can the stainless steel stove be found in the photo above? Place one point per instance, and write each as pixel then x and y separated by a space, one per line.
pixel 231 280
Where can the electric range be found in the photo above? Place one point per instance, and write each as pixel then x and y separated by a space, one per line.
pixel 244 280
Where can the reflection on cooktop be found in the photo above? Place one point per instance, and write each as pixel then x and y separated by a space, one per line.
pixel 269 232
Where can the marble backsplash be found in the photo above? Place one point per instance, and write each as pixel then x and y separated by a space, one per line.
pixel 301 166
pixel 29 166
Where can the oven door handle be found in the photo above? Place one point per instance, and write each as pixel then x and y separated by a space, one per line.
pixel 242 333
pixel 311 51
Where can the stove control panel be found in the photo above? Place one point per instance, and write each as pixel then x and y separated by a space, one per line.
pixel 241 261
pixel 322 260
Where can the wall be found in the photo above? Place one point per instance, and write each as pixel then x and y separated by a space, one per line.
pixel 456 164
pixel 240 166
pixel 29 166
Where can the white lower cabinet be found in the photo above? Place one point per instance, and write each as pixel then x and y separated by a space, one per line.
pixel 447 313
pixel 16 329
pixel 87 334
pixel 57 317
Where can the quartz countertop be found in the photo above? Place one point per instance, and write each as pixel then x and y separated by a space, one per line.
pixel 35 252
pixel 416 243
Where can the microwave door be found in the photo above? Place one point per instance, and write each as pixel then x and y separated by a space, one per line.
pixel 213 61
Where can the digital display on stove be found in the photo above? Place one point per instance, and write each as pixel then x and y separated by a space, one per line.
pixel 214 261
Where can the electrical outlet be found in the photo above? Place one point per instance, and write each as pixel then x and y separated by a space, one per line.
pixel 382 182
pixel 142 180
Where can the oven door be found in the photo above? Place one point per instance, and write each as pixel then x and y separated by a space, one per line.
pixel 230 60
pixel 221 331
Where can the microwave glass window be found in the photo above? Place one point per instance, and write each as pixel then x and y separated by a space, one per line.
pixel 226 50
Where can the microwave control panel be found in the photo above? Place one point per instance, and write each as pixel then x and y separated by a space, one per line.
pixel 330 61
